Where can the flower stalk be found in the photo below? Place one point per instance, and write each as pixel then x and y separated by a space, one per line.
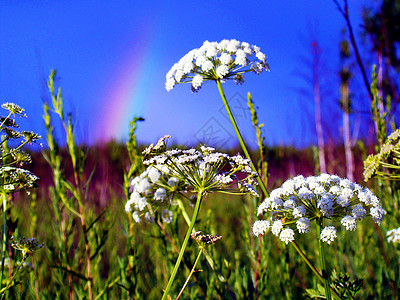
pixel 10 282
pixel 325 273
pixel 200 195
pixel 191 272
pixel 4 244
pixel 239 136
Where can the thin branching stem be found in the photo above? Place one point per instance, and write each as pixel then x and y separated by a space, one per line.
pixel 200 195
pixel 345 13
pixel 9 284
pixel 191 273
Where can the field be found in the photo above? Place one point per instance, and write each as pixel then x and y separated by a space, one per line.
pixel 133 221
pixel 94 249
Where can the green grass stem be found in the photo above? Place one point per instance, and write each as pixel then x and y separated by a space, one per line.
pixel 200 195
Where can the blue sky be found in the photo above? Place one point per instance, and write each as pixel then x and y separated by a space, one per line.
pixel 112 57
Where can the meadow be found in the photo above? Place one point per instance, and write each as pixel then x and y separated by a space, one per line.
pixel 130 221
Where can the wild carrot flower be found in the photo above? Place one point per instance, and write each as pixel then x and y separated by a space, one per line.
pixel 393 236
pixel 205 239
pixel 14 109
pixel 228 59
pixel 26 246
pixel 12 177
pixel 292 207
pixel 192 169
pixel 186 172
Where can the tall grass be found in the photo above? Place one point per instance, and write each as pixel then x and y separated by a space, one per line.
pixel 95 250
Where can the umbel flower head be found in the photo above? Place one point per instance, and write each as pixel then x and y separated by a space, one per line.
pixel 15 179
pixel 228 59
pixel 12 177
pixel 185 172
pixel 386 163
pixel 152 189
pixel 292 207
pixel 205 239
pixel 26 246
pixel 393 236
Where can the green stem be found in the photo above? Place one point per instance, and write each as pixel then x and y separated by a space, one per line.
pixel 324 270
pixel 200 195
pixel 3 250
pixel 3 290
pixel 208 257
pixel 239 136
pixel 191 273
pixel 310 264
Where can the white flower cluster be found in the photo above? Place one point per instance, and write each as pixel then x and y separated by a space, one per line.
pixel 393 236
pixel 207 170
pixel 153 186
pixel 14 179
pixel 14 108
pixel 301 200
pixel 228 59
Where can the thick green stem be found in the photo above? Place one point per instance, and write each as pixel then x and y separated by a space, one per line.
pixel 191 273
pixel 310 264
pixel 3 249
pixel 325 273
pixel 200 195
pixel 239 136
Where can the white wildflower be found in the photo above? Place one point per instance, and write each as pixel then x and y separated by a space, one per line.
pixel 287 235
pixel 144 186
pixel 342 200
pixel 303 225
pixel 153 174
pixel 166 216
pixel 364 197
pixel 358 212
pixel 197 81
pixel 136 217
pixel 260 227
pixel 160 194
pixel 328 234
pixel 207 66
pixel 173 181
pixel 335 190
pixel 140 203
pixel 276 227
pixel 276 203
pixel 222 71
pixel 305 193
pixel 393 236
pixel 290 203
pixel 129 205
pixel 263 207
pixel 241 58
pixel 223 179
pixel 261 56
pixel 349 222
pixel 299 211
pixel 225 59
pixel 377 213
pixel 148 217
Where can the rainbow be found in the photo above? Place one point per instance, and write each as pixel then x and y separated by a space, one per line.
pixel 130 87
